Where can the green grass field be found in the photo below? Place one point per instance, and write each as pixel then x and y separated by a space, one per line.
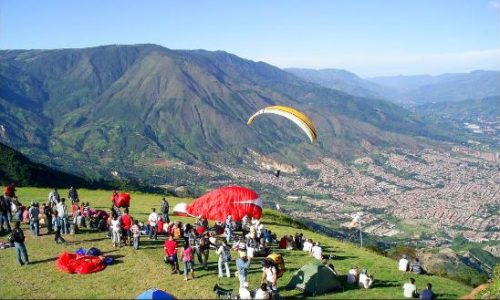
pixel 136 271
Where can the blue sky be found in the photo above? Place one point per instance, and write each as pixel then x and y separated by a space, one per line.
pixel 370 37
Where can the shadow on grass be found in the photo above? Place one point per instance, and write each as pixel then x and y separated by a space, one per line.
pixel 43 260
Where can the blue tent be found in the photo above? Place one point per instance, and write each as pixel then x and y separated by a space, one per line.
pixel 155 294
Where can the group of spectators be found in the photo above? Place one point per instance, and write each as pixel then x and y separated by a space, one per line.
pixel 410 287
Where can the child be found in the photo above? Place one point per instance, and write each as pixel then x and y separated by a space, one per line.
pixel 187 259
pixel 116 228
pixel 136 233
pixel 58 224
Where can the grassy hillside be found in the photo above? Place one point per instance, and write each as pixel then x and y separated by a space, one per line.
pixel 137 271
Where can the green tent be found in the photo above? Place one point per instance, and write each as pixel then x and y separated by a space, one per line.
pixel 314 279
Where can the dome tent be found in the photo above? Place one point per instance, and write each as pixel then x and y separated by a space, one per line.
pixel 314 279
pixel 155 294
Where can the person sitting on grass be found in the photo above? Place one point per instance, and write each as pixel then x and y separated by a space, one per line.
pixel 308 245
pixel 317 252
pixel 427 294
pixel 403 263
pixel 416 267
pixel 262 293
pixel 352 275
pixel 410 289
pixel 365 280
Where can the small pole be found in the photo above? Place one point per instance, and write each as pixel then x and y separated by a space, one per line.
pixel 360 235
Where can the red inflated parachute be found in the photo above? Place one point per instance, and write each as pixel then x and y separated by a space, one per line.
pixel 123 200
pixel 80 264
pixel 236 201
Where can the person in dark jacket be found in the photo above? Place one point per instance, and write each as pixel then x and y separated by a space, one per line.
pixel 73 195
pixel 165 207
pixel 416 267
pixel 47 211
pixel 58 225
pixel 17 237
pixel 4 213
pixel 427 294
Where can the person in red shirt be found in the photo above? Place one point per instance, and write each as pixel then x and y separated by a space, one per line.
pixel 171 254
pixel 126 223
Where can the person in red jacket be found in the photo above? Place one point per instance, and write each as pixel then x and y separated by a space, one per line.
pixel 10 190
pixel 126 223
pixel 171 254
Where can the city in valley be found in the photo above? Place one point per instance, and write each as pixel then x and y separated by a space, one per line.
pixel 430 196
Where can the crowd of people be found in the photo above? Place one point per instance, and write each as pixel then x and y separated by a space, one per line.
pixel 186 242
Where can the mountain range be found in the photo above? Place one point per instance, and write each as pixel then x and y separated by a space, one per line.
pixel 124 108
pixel 409 90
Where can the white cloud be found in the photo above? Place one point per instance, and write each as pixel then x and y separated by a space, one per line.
pixel 396 63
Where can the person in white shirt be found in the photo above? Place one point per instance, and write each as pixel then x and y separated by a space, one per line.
pixel 403 263
pixel 269 275
pixel 410 289
pixel 365 281
pixel 262 293
pixel 352 275
pixel 54 198
pixel 153 220
pixel 317 252
pixel 244 292
pixel 115 229
pixel 308 245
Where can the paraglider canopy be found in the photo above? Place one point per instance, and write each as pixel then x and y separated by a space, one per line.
pixel 293 115
pixel 155 294
pixel 234 201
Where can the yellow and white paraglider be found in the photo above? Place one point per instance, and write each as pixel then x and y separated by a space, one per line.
pixel 293 115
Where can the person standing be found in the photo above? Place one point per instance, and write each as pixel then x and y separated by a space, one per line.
pixel 4 214
pixel 34 212
pixel 171 254
pixel 47 211
pixel 17 237
pixel 54 198
pixel 204 249
pixel 62 212
pixel 57 223
pixel 115 230
pixel 242 265
pixel 126 223
pixel 187 259
pixel 136 233
pixel 153 221
pixel 73 195
pixel 224 258
pixel 165 207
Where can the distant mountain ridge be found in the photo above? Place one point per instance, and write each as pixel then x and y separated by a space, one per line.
pixel 124 107
pixel 408 90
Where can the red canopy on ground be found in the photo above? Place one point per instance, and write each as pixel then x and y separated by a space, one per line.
pixel 80 264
